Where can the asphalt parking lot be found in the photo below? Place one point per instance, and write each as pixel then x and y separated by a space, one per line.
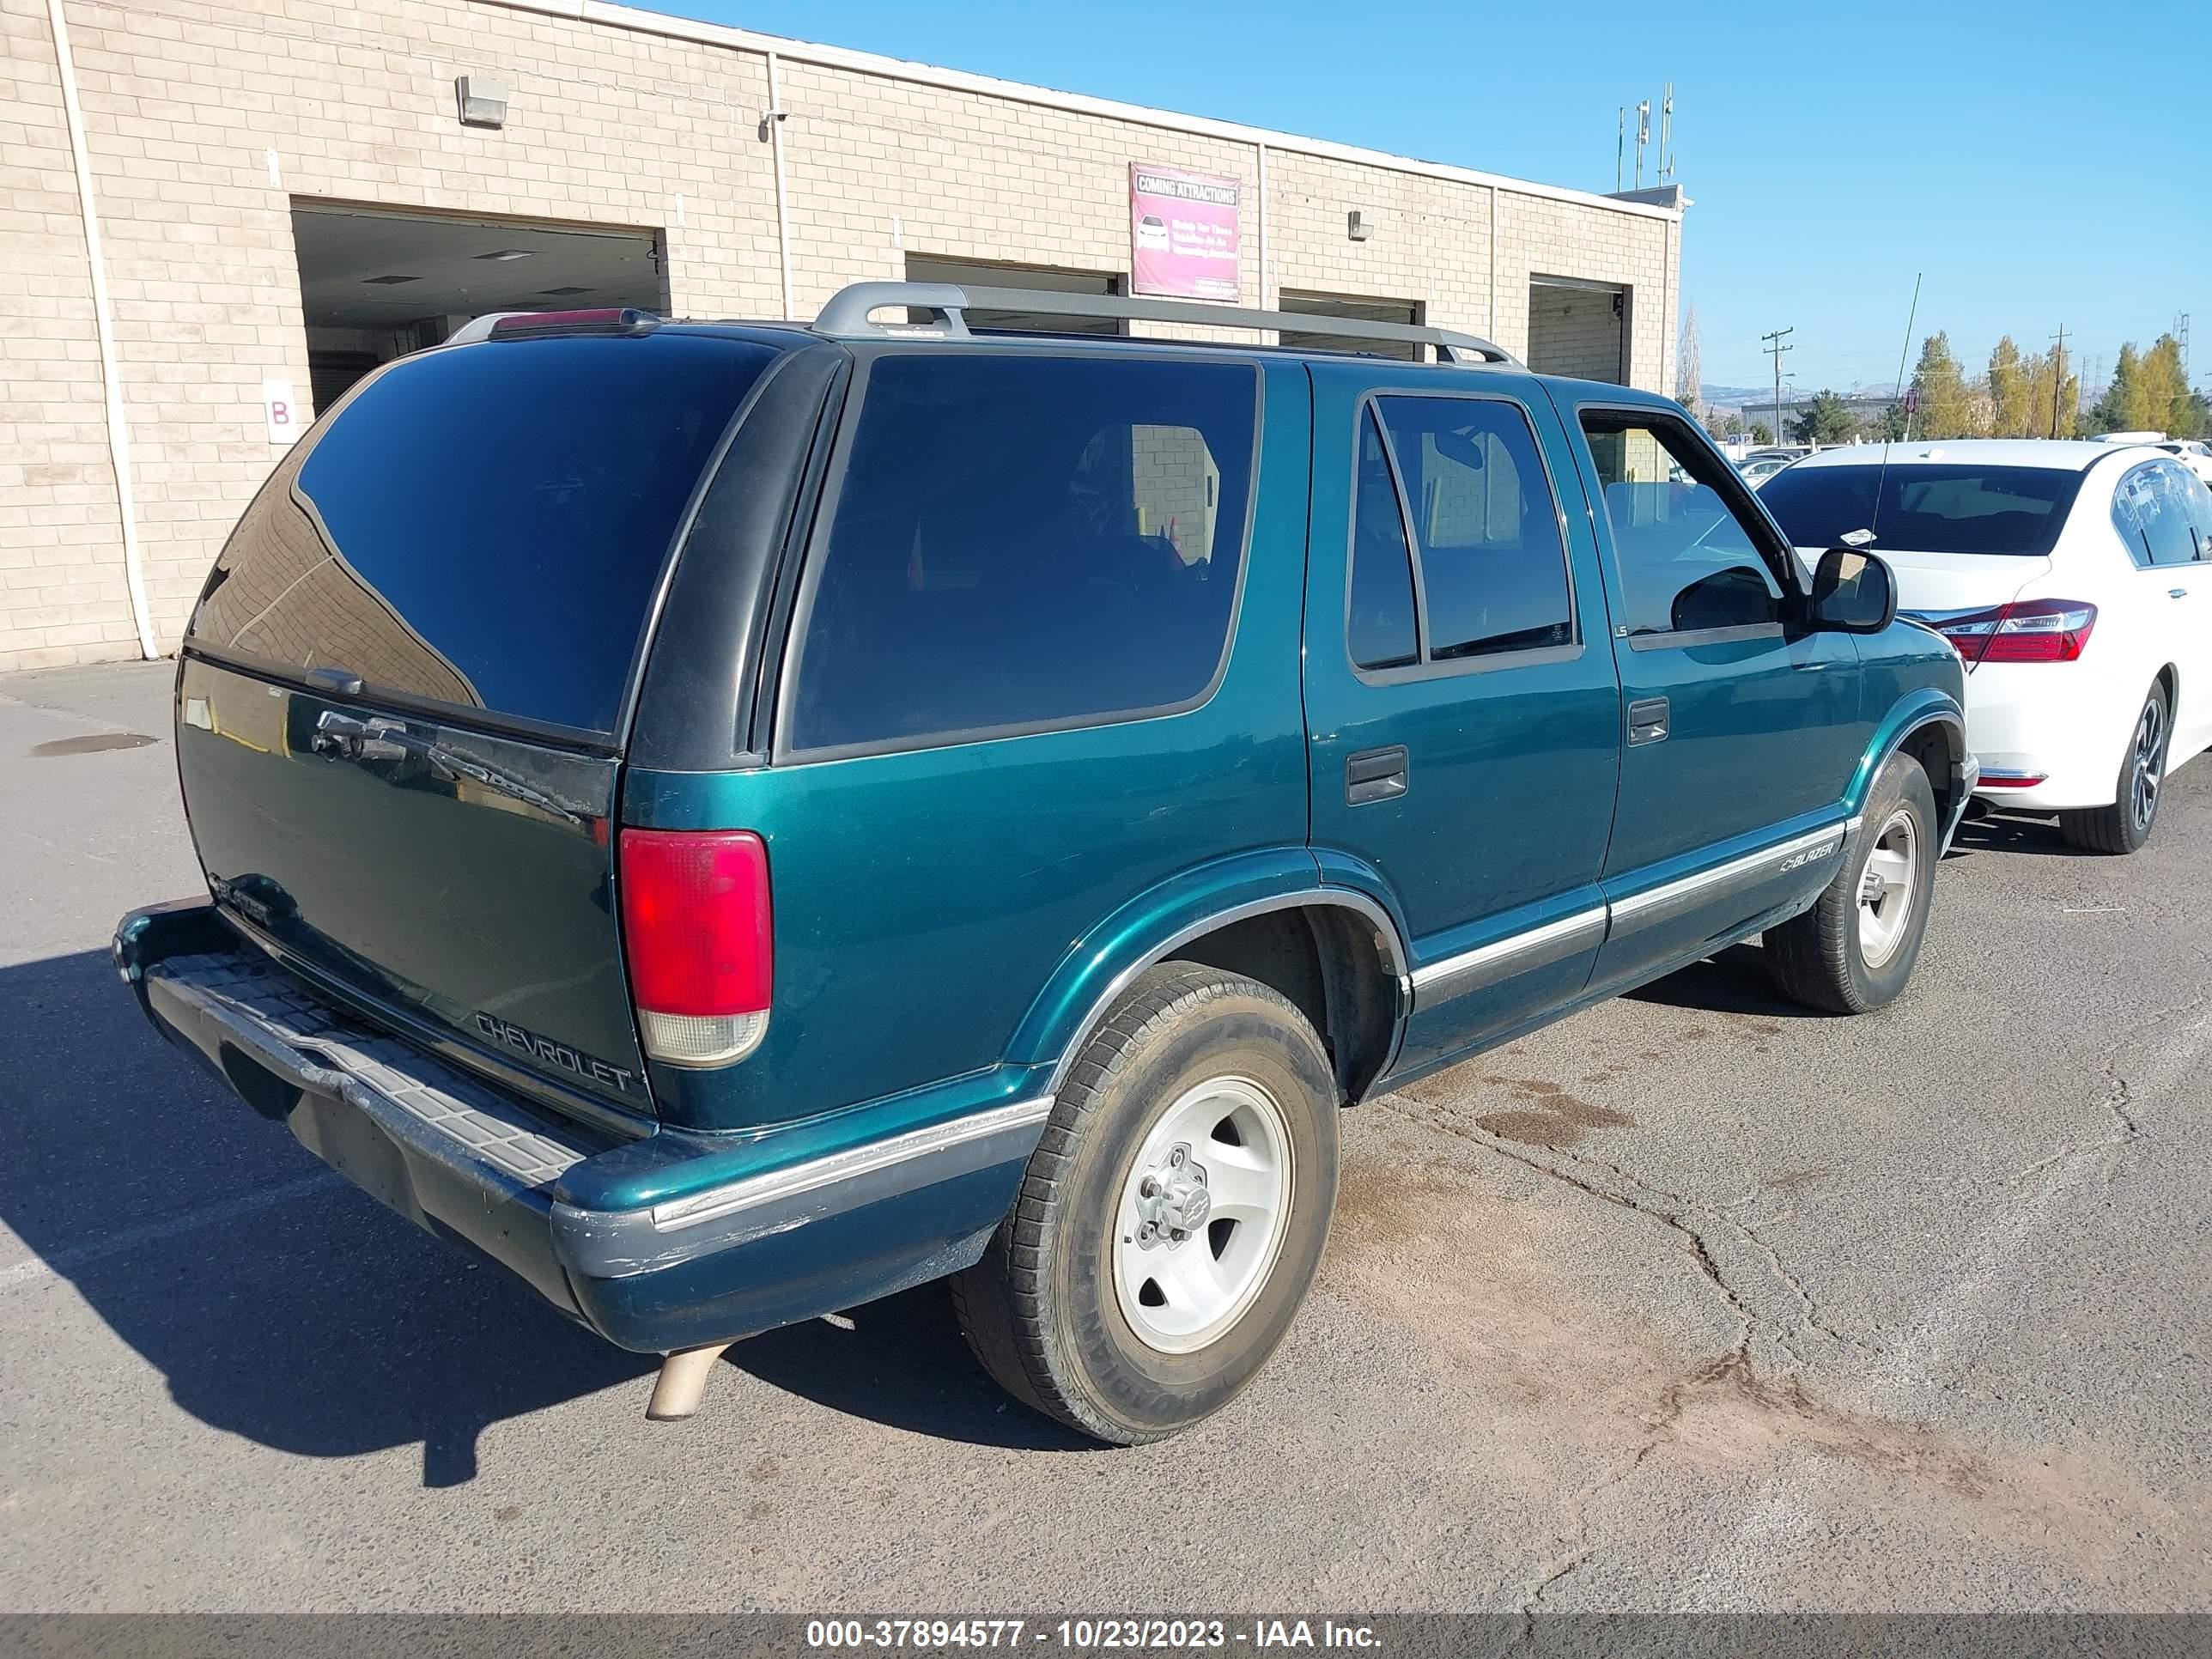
pixel 1692 1301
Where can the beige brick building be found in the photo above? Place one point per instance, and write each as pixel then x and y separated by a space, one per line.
pixel 283 192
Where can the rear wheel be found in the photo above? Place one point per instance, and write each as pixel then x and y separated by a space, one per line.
pixel 1854 949
pixel 1172 1216
pixel 2124 826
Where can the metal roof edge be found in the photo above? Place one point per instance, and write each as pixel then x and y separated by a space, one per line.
pixel 899 68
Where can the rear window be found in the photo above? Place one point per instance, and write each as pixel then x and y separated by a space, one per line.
pixel 1021 542
pixel 485 527
pixel 1924 508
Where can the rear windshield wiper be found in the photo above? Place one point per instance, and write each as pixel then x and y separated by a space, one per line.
pixel 377 739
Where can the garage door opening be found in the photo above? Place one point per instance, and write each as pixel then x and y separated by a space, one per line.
pixel 972 273
pixel 376 284
pixel 1579 329
pixel 1354 307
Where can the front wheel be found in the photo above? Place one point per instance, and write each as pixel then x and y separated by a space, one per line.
pixel 1853 951
pixel 2124 826
pixel 1172 1216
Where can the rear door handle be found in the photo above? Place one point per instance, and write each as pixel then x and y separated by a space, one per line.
pixel 1375 775
pixel 1647 720
pixel 2177 592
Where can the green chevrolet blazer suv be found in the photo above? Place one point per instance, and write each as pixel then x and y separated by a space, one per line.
pixel 730 821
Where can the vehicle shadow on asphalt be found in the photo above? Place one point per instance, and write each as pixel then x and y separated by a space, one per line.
pixel 1734 982
pixel 284 1306
pixel 902 1362
pixel 279 1303
pixel 2009 832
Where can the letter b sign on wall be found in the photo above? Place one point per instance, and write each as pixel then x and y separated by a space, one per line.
pixel 287 420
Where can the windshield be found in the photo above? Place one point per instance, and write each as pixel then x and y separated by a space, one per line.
pixel 484 527
pixel 2014 510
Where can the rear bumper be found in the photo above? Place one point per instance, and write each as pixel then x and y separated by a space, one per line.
pixel 753 1233
pixel 2065 725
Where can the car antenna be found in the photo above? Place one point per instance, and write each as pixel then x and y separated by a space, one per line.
pixel 1882 475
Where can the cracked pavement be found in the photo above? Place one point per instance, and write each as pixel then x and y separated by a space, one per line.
pixel 1693 1301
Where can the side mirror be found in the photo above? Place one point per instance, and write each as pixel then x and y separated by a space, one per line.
pixel 1738 597
pixel 1853 593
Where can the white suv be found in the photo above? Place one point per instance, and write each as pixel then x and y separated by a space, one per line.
pixel 2074 579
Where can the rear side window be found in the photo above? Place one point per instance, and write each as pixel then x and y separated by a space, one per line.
pixel 485 526
pixel 1020 542
pixel 2155 511
pixel 1924 507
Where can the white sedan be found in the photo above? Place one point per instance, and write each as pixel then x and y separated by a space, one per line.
pixel 2196 454
pixel 2073 579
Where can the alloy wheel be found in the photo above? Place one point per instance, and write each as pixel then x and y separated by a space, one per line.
pixel 2149 765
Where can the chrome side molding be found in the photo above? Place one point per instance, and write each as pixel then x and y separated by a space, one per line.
pixel 1439 981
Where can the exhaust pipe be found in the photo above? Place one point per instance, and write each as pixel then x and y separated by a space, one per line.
pixel 682 1382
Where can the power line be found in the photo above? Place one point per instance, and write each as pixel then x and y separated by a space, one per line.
pixel 1773 346
pixel 2057 378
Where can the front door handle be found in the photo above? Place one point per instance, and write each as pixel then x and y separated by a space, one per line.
pixel 1375 775
pixel 2177 592
pixel 1647 720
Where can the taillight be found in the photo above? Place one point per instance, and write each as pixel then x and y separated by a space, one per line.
pixel 2027 630
pixel 603 319
pixel 697 929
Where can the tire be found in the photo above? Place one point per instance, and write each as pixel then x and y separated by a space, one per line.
pixel 1070 1309
pixel 2125 825
pixel 1852 952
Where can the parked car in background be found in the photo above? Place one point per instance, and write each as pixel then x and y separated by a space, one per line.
pixel 2074 579
pixel 2195 453
pixel 1758 468
pixel 769 815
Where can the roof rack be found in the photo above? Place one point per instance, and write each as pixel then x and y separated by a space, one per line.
pixel 849 314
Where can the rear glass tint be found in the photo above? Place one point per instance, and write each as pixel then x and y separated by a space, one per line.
pixel 1022 541
pixel 1924 508
pixel 485 526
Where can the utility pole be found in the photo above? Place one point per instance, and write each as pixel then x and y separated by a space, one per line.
pixel 1774 348
pixel 2057 378
pixel 1620 144
pixel 1642 138
pixel 2181 339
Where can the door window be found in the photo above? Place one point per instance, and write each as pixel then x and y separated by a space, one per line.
pixel 1687 556
pixel 1383 631
pixel 1456 548
pixel 1493 567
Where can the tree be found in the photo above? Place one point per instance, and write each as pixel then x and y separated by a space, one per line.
pixel 1689 362
pixel 1946 407
pixel 2011 415
pixel 1827 420
pixel 2043 389
pixel 2164 390
pixel 2192 416
pixel 1731 425
pixel 1761 433
pixel 1890 427
pixel 1945 403
pixel 2124 408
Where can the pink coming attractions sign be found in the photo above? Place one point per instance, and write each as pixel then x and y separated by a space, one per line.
pixel 1182 233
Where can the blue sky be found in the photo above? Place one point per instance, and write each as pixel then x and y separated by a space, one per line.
pixel 2040 162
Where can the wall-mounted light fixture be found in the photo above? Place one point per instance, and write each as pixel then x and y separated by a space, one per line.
pixel 1356 226
pixel 483 103
pixel 768 118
